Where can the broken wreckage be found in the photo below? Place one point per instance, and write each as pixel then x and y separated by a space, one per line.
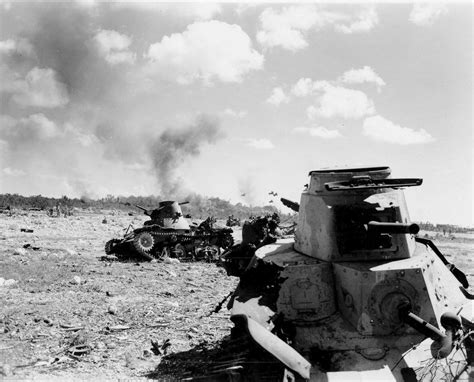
pixel 168 234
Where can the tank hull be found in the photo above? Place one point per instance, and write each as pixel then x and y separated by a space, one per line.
pixel 155 242
pixel 337 316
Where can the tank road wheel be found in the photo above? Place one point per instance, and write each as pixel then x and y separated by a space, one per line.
pixel 178 251
pixel 143 244
pixel 110 246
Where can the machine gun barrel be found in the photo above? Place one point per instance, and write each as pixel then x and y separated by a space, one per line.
pixel 143 209
pixel 186 202
pixel 290 204
pixel 379 227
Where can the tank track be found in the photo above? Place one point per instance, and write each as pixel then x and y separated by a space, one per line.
pixel 164 242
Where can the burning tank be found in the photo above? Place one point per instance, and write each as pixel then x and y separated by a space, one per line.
pixel 168 233
pixel 356 295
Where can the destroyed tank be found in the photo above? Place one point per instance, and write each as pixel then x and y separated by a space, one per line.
pixel 355 296
pixel 168 234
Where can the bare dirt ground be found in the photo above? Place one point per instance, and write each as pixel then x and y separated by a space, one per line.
pixel 64 300
pixel 64 296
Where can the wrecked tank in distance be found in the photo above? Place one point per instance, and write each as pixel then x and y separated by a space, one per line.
pixel 168 234
pixel 215 238
pixel 356 295
pixel 232 221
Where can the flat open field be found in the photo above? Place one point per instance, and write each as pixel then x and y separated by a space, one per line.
pixel 63 295
pixel 121 307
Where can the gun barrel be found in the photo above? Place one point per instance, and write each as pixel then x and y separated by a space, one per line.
pixel 145 211
pixel 290 204
pixel 379 227
pixel 186 202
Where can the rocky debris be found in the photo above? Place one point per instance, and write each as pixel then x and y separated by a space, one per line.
pixel 160 348
pixel 171 260
pixel 29 246
pixel 7 283
pixel 146 302
pixel 112 309
pixel 20 252
pixel 6 370
pixel 71 252
pixel 117 328
pixel 79 350
pixel 76 280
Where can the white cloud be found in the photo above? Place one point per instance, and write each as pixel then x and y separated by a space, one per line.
pixel 303 88
pixel 40 126
pixel 359 76
pixel 88 4
pixel 84 139
pixel 278 97
pixel 261 144
pixel 204 51
pixel 425 14
pixel 337 101
pixel 20 46
pixel 40 88
pixel 244 7
pixel 114 47
pixel 234 113
pixel 13 171
pixel 36 126
pixel 364 21
pixel 319 131
pixel 6 123
pixel 383 130
pixel 195 11
pixel 11 82
pixel 287 28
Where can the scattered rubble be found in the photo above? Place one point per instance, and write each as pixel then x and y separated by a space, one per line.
pixel 71 252
pixel 112 309
pixel 20 252
pixel 45 310
pixel 7 283
pixel 76 280
pixel 170 260
pixel 29 246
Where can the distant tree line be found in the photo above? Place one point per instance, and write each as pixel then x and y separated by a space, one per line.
pixel 198 207
pixel 446 229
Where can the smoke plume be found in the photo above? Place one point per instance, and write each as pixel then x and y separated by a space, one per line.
pixel 248 189
pixel 175 146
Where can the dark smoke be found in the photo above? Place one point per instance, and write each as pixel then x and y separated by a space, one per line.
pixel 175 146
pixel 61 35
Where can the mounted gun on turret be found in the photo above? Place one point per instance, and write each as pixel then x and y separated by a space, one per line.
pixel 290 204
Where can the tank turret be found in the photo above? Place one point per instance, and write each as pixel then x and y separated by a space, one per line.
pixel 167 215
pixel 356 294
pixel 337 206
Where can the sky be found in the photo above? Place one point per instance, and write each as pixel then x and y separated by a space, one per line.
pixel 236 100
